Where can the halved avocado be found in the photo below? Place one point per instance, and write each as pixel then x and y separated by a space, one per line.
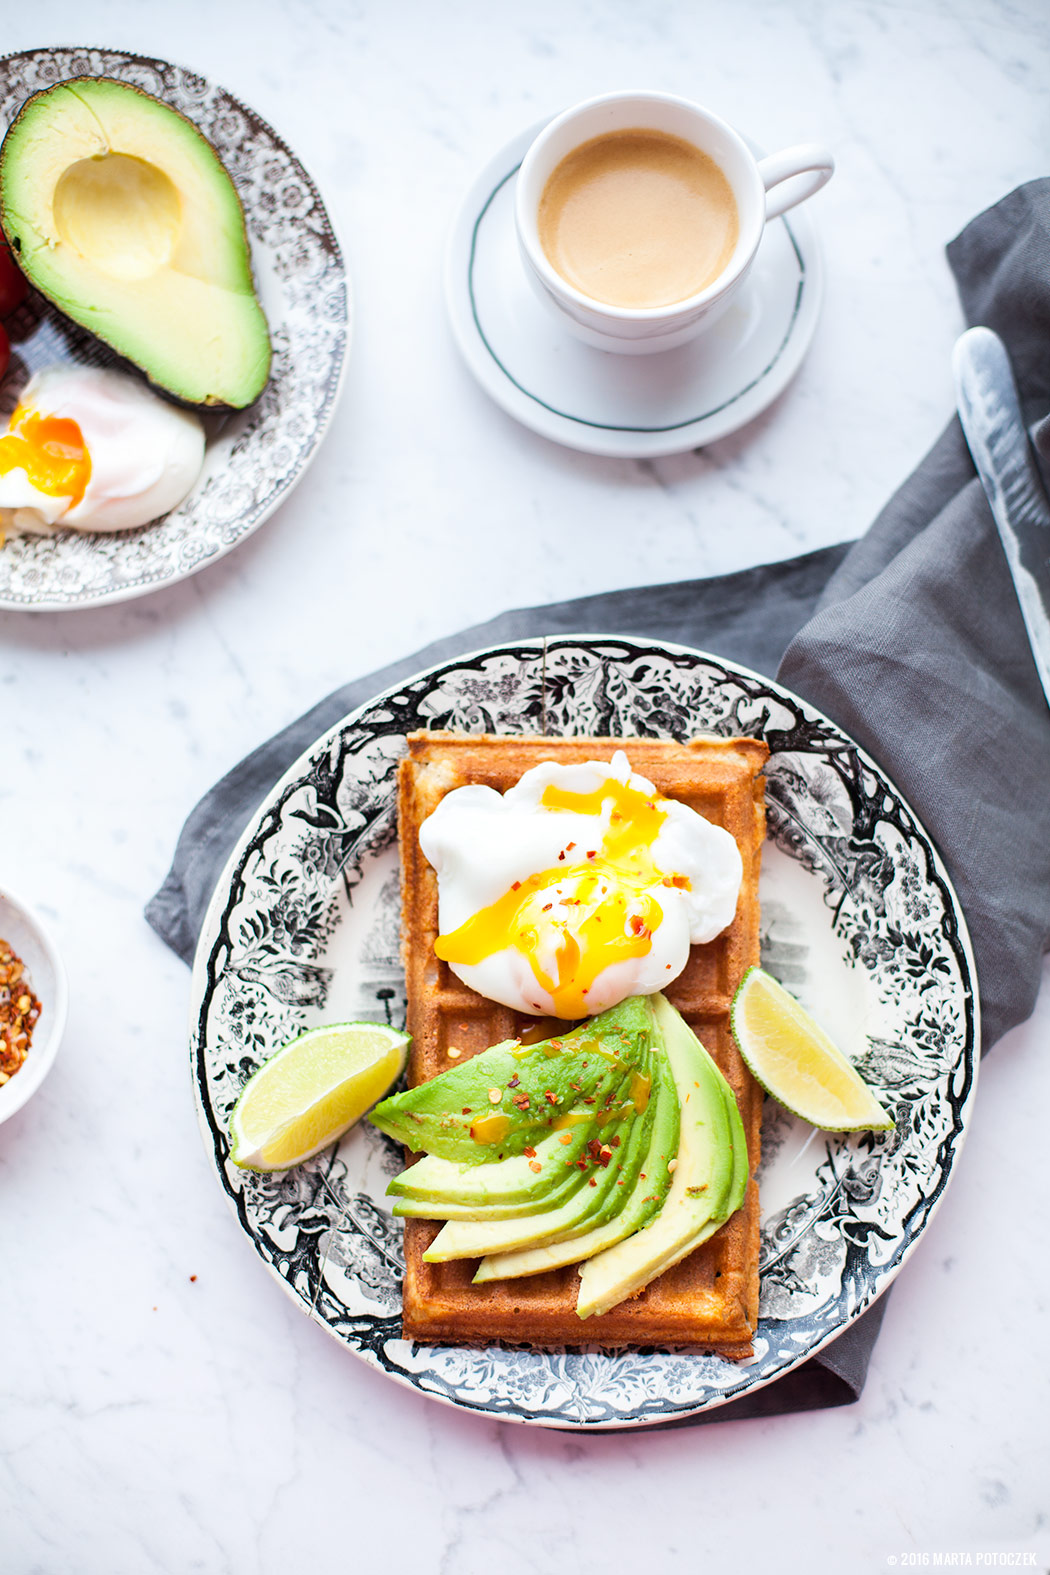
pixel 121 213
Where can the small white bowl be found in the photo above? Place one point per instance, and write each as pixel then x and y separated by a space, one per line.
pixel 25 934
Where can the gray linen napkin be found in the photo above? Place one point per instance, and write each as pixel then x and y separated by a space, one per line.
pixel 911 639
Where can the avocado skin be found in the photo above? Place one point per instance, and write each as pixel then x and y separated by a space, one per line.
pixel 206 342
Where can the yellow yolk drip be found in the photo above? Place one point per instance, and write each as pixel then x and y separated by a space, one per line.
pixel 614 913
pixel 52 452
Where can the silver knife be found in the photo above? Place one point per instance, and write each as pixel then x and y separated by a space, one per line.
pixel 991 419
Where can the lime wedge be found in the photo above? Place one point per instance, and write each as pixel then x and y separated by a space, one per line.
pixel 795 1061
pixel 311 1091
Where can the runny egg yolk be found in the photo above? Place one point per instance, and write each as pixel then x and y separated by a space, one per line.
pixel 52 452
pixel 606 910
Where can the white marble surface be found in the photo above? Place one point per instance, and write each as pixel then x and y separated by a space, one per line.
pixel 164 1407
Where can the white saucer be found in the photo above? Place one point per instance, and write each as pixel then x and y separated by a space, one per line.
pixel 637 407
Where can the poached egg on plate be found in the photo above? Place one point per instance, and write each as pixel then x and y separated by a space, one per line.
pixel 94 449
pixel 576 888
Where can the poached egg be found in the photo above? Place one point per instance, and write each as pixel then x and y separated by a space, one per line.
pixel 94 449
pixel 576 888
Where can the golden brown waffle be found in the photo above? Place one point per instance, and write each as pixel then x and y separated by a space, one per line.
pixel 709 1301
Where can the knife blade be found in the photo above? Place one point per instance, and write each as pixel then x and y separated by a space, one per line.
pixel 990 413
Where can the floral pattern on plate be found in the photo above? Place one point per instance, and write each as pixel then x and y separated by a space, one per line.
pixel 859 920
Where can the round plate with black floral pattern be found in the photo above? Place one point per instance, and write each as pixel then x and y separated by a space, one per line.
pixel 253 457
pixel 858 920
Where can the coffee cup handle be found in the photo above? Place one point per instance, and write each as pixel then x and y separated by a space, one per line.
pixel 811 163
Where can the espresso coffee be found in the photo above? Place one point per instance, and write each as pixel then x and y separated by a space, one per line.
pixel 638 218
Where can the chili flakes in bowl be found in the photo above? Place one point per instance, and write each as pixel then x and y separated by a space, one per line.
pixel 19 1011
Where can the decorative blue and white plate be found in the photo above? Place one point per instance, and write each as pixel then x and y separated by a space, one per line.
pixel 253 457
pixel 858 920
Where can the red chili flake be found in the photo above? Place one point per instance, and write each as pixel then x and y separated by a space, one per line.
pixel 642 1175
pixel 515 1080
pixel 550 1096
pixel 592 1182
pixel 593 854
pixel 603 1160
pixel 615 1141
pixel 530 1153
pixel 547 906
pixel 637 923
pixel 581 1164
pixel 521 1101
pixel 569 846
pixel 466 1110
pixel 561 855
pixel 589 1100
pixel 594 1148
pixel 193 1279
pixel 534 1164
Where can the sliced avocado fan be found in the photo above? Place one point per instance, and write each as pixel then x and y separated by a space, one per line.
pixel 620 1147
pixel 615 1160
pixel 121 213
pixel 708 1184
pixel 645 1199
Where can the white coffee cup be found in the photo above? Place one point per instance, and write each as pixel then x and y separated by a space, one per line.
pixel 762 188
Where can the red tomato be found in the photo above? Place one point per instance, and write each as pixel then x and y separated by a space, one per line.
pixel 5 353
pixel 13 286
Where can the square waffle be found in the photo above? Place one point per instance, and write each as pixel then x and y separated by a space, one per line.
pixel 709 1301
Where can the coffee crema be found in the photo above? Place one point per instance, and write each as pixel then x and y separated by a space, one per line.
pixel 638 218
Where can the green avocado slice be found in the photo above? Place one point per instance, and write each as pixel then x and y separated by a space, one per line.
pixel 587 1205
pixel 121 213
pixel 503 1189
pixel 705 1180
pixel 608 1186
pixel 646 1198
pixel 741 1165
pixel 513 1096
